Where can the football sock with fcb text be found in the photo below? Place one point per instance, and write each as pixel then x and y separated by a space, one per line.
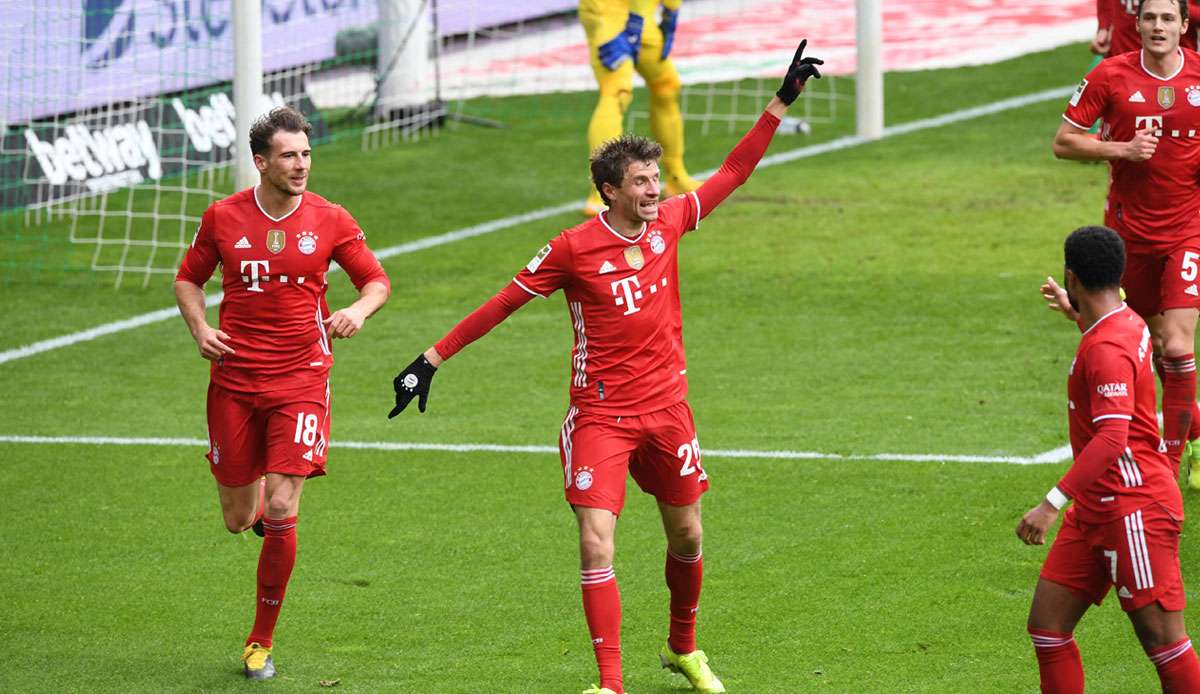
pixel 602 607
pixel 275 564
pixel 1178 668
pixel 1178 401
pixel 684 575
pixel 1058 661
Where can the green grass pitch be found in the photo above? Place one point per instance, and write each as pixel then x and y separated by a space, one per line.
pixel 877 299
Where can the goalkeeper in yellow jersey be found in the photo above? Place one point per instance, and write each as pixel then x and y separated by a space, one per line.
pixel 623 36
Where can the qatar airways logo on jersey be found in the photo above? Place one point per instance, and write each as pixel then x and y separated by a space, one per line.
pixel 1113 390
pixel 629 291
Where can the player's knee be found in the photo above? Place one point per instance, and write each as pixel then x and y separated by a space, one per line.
pixel 665 87
pixel 237 522
pixel 595 551
pixel 685 538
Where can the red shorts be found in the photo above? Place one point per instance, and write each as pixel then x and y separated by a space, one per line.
pixel 1139 554
pixel 659 449
pixel 1155 281
pixel 251 434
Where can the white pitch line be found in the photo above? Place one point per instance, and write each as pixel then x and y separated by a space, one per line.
pixel 506 222
pixel 1048 457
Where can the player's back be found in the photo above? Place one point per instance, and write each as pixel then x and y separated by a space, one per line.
pixel 1112 376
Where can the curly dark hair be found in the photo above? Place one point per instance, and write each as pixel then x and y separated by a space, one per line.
pixel 283 118
pixel 1097 257
pixel 610 160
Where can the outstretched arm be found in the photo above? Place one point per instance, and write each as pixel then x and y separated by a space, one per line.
pixel 749 151
pixel 416 378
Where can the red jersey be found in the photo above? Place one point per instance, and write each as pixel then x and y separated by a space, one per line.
pixel 1121 15
pixel 274 277
pixel 623 296
pixel 1112 377
pixel 1154 202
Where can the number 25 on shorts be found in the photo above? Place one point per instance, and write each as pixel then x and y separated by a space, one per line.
pixel 687 452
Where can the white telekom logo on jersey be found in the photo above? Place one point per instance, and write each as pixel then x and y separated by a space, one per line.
pixel 1113 390
pixel 627 292
pixel 254 275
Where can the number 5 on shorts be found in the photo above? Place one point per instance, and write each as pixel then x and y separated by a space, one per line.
pixel 1189 271
pixel 306 429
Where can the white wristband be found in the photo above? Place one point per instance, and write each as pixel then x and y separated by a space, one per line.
pixel 1056 498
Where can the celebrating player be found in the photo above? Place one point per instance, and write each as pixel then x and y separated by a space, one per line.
pixel 1150 103
pixel 1123 528
pixel 268 399
pixel 622 37
pixel 628 410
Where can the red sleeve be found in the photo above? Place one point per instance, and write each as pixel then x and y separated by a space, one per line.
pixel 1101 452
pixel 483 319
pixel 202 256
pixel 351 253
pixel 1109 373
pixel 1103 16
pixel 737 167
pixel 549 270
pixel 1088 102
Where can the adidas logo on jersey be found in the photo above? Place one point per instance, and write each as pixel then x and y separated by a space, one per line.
pixel 607 267
pixel 1137 98
pixel 308 456
pixel 242 243
pixel 1191 290
pixel 1124 593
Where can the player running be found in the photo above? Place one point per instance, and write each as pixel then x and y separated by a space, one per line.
pixel 269 397
pixel 622 37
pixel 1123 528
pixel 1150 103
pixel 628 410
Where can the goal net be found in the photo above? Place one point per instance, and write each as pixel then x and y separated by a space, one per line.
pixel 118 115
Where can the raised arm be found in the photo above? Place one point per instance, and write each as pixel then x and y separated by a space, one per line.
pixel 749 151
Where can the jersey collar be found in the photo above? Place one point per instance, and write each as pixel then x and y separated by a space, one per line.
pixel 276 219
pixel 1173 75
pixel 1100 320
pixel 623 237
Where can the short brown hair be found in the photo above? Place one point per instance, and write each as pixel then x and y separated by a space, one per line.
pixel 283 118
pixel 610 160
pixel 1183 9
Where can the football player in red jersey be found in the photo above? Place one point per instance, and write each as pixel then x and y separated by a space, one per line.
pixel 1150 103
pixel 1123 528
pixel 628 413
pixel 269 396
pixel 1117 30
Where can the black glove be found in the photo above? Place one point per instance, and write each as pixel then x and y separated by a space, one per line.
pixel 414 380
pixel 798 73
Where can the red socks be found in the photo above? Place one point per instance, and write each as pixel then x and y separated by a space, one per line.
pixel 275 564
pixel 1178 668
pixel 684 574
pixel 1058 661
pixel 602 607
pixel 1178 401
